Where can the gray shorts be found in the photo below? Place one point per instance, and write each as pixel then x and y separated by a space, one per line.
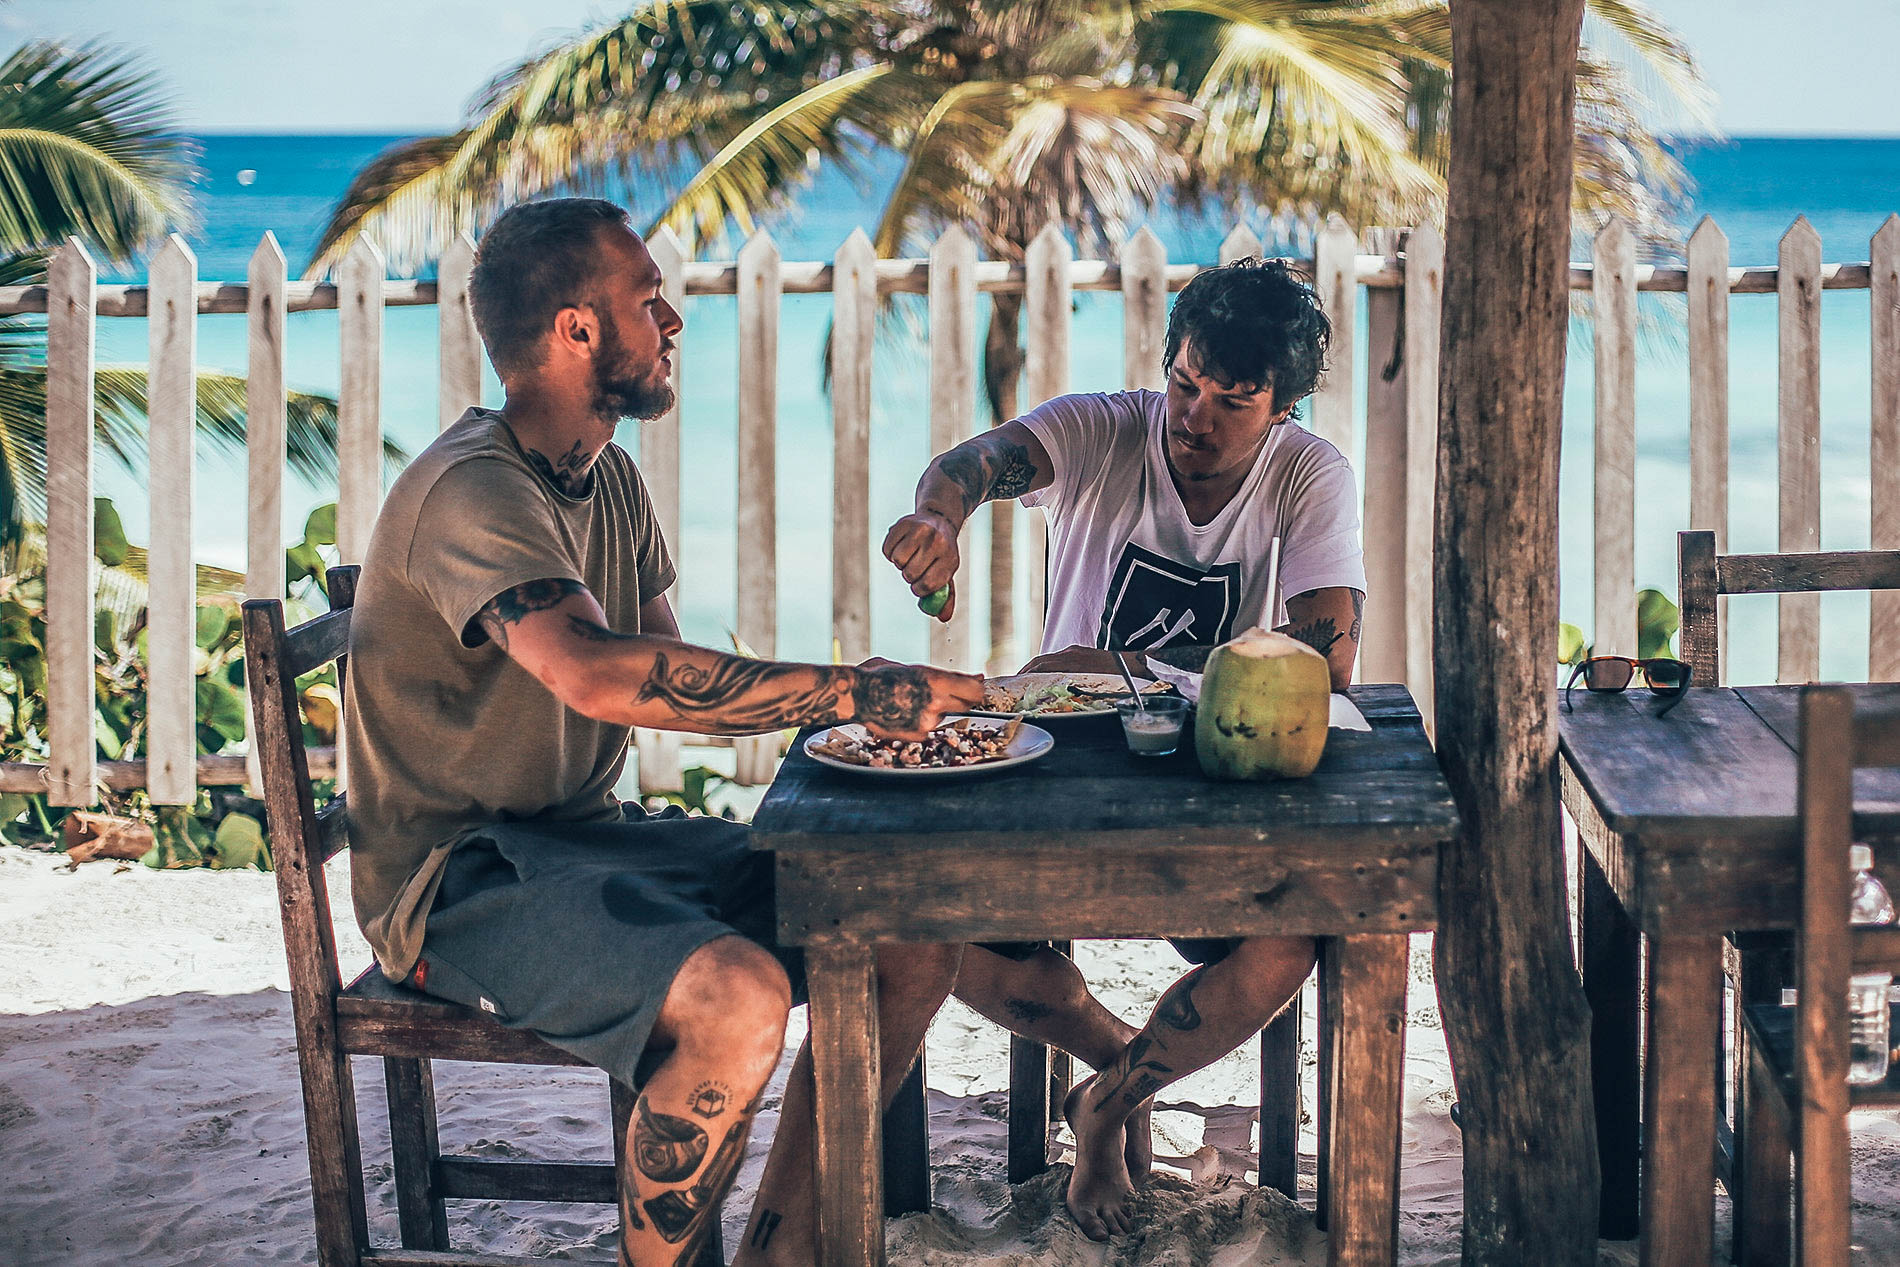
pixel 576 930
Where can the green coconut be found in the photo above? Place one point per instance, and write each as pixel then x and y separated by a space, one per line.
pixel 1265 702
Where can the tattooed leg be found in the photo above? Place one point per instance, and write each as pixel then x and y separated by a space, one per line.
pixel 1203 1016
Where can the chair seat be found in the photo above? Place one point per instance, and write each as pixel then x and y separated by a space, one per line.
pixel 1771 1030
pixel 377 1017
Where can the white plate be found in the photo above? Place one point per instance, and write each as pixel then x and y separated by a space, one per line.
pixel 1095 683
pixel 1031 743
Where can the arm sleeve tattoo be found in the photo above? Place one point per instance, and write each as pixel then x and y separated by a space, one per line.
pixel 509 606
pixel 988 469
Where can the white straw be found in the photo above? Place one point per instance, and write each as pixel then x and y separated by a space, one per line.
pixel 1273 579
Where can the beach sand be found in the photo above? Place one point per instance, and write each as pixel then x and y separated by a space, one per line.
pixel 150 1110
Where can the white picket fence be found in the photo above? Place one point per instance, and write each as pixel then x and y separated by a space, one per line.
pixel 1400 290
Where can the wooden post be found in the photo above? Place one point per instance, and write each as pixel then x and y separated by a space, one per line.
pixel 1798 285
pixel 1613 293
pixel 1336 278
pixel 759 291
pixel 71 303
pixel 952 418
pixel 1883 661
pixel 171 739
pixel 853 331
pixel 264 429
pixel 1048 305
pixel 1515 1019
pixel 1144 311
pixel 460 367
pixel 1382 482
pixel 660 469
pixel 1424 304
pixel 359 421
pixel 847 1145
pixel 1708 399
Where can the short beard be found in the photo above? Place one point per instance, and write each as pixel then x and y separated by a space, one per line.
pixel 617 394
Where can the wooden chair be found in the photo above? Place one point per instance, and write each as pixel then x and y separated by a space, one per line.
pixel 1797 1093
pixel 372 1017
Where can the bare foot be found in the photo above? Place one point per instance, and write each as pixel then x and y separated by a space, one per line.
pixel 1099 1189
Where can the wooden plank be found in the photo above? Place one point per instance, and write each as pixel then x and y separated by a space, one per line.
pixel 333 828
pixel 1144 311
pixel 758 476
pixel 460 367
pixel 1708 399
pixel 1029 1105
pixel 844 1048
pixel 1047 309
pixel 1883 656
pixel 72 751
pixel 492 1178
pixel 264 404
pixel 316 642
pixel 1611 956
pixel 659 750
pixel 1761 1227
pixel 1279 1165
pixel 1240 243
pixel 952 410
pixel 214 770
pixel 1697 588
pixel 1800 573
pixel 1685 1026
pixel 1367 984
pixel 414 1149
pixel 907 1146
pixel 1335 278
pixel 1382 635
pixel 1424 304
pixel 171 737
pixel 853 335
pixel 1877 949
pixel 359 399
pixel 1614 468
pixel 1798 654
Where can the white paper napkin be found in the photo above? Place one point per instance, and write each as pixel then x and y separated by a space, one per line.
pixel 1345 715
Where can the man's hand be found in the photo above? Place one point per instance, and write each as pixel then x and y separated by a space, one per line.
pixel 924 548
pixel 1074 659
pixel 904 701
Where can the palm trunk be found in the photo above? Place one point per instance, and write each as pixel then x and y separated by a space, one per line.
pixel 1002 373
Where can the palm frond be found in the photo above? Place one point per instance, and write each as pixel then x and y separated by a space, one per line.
pixel 87 149
pixel 1660 51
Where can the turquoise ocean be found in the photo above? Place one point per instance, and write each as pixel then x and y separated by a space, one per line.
pixel 1754 188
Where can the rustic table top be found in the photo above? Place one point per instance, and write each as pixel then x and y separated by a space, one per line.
pixel 1381 787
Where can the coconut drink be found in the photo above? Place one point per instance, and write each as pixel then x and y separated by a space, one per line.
pixel 1265 704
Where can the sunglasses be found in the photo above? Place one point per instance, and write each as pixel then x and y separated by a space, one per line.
pixel 1609 673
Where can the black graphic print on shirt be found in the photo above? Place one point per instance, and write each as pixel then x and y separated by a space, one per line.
pixel 1156 602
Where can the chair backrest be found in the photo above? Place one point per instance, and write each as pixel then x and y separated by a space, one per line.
pixel 302 837
pixel 1702 576
pixel 1834 743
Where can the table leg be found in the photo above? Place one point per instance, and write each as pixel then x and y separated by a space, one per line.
pixel 907 1147
pixel 1685 1024
pixel 1612 983
pixel 1368 974
pixel 1029 1077
pixel 1280 1102
pixel 847 1145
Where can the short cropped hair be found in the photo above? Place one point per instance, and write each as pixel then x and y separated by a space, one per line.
pixel 1252 321
pixel 537 259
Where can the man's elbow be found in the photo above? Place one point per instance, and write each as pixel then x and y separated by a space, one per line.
pixel 584 686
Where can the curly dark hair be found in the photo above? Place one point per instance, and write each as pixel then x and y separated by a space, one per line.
pixel 1254 322
pixel 537 259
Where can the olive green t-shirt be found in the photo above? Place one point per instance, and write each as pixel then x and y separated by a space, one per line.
pixel 444 731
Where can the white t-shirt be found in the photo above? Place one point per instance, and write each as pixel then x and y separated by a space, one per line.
pixel 1126 566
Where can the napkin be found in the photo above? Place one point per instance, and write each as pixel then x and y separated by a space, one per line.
pixel 1345 715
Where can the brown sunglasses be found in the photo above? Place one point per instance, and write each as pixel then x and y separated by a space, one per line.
pixel 1608 673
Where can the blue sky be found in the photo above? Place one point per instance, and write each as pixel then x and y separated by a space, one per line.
pixel 410 65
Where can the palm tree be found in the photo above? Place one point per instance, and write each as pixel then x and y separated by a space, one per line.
pixel 87 149
pixel 1012 114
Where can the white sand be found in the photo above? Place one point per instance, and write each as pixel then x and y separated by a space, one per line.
pixel 150 1112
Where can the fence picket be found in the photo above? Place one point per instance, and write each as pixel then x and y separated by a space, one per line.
pixel 759 292
pixel 1798 655
pixel 1708 397
pixel 359 399
pixel 264 419
pixel 659 750
pixel 1883 660
pixel 1239 243
pixel 460 366
pixel 1336 279
pixel 1382 480
pixel 1424 302
pixel 853 331
pixel 952 416
pixel 1048 305
pixel 171 731
pixel 1144 310
pixel 1613 294
pixel 71 768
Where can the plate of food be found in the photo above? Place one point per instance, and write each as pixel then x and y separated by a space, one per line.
pixel 961 745
pixel 1041 695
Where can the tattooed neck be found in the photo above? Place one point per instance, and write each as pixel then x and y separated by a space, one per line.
pixel 572 473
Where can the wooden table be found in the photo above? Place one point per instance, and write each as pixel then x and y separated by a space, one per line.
pixel 1689 833
pixel 1094 842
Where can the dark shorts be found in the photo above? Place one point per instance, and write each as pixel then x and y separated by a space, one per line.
pixel 1197 950
pixel 576 930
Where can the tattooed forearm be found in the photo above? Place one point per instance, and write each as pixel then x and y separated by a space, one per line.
pixel 509 606
pixel 893 698
pixel 987 469
pixel 741 696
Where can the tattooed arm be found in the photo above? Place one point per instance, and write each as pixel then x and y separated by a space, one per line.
pixel 999 464
pixel 1328 621
pixel 555 629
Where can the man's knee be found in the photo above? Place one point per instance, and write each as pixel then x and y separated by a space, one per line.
pixel 730 997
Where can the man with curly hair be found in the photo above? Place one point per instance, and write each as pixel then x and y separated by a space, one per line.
pixel 1161 507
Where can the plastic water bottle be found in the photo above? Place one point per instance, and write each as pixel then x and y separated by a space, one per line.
pixel 1867 991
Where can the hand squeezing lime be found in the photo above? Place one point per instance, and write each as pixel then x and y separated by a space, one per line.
pixel 934 602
